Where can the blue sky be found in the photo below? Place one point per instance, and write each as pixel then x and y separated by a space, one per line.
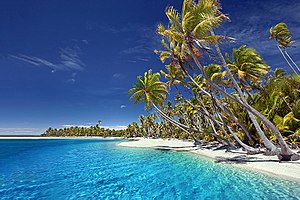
pixel 72 62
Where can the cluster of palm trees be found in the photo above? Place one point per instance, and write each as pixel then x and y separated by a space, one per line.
pixel 228 100
pixel 83 131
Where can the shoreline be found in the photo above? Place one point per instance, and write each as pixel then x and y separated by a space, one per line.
pixel 259 163
pixel 62 138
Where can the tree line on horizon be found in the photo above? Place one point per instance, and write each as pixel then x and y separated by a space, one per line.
pixel 78 131
pixel 237 99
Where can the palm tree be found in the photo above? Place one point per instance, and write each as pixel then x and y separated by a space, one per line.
pixel 152 91
pixel 281 34
pixel 143 126
pixel 149 89
pixel 248 66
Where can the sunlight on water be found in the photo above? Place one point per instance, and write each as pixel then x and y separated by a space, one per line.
pixel 98 169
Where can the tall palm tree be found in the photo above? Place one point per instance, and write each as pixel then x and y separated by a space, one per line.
pixel 248 66
pixel 283 37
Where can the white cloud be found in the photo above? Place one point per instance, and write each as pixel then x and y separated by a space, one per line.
pixel 117 75
pixel 122 106
pixel 71 80
pixel 85 41
pixel 69 60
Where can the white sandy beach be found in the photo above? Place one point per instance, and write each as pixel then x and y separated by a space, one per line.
pixel 259 162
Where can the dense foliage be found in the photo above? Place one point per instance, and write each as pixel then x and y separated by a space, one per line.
pixel 84 131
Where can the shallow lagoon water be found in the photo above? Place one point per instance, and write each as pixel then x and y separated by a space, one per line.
pixel 98 169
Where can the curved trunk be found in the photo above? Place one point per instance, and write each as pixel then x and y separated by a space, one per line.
pixel 246 147
pixel 287 60
pixel 268 144
pixel 176 124
pixel 184 127
pixel 292 60
pixel 223 108
pixel 231 114
pixel 211 120
pixel 285 150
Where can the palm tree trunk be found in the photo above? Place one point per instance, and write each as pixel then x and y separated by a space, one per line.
pixel 268 144
pixel 286 152
pixel 287 60
pixel 211 120
pixel 184 127
pixel 204 91
pixel 292 60
pixel 246 147
pixel 224 109
pixel 206 113
pixel 196 142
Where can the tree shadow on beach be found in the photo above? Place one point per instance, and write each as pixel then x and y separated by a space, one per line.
pixel 242 159
pixel 170 148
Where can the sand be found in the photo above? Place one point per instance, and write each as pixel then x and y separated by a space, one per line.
pixel 239 158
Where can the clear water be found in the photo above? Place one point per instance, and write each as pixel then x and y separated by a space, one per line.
pixel 98 169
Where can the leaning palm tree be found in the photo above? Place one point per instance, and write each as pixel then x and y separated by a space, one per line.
pixel 283 37
pixel 152 91
pixel 248 66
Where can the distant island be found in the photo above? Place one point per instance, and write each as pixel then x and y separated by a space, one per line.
pixel 84 131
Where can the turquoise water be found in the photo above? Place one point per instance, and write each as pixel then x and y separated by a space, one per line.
pixel 98 169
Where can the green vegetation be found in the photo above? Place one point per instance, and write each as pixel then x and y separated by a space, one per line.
pixel 84 131
pixel 236 100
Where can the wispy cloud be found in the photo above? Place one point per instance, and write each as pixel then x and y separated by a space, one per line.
pixel 122 106
pixel 252 29
pixel 69 60
pixel 114 30
pixel 85 42
pixel 139 47
pixel 117 75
